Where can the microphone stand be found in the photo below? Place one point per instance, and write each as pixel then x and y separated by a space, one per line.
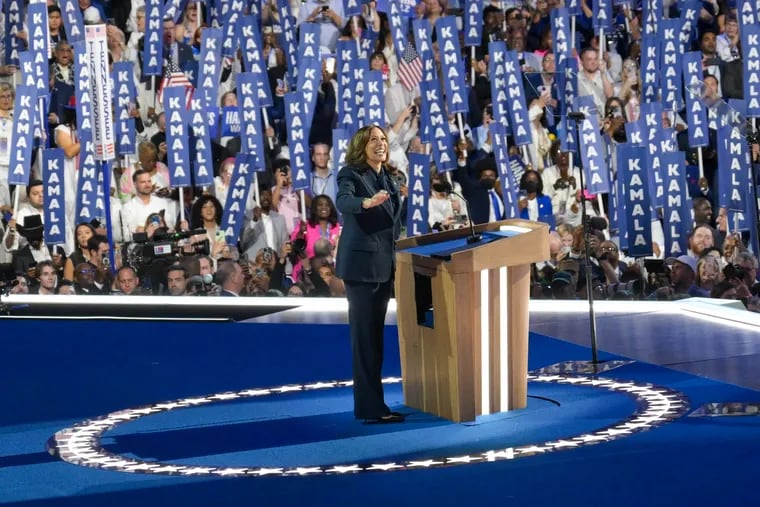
pixel 578 117
pixel 472 238
pixel 753 137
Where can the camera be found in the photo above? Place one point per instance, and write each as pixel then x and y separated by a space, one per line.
pixel 141 252
pixel 732 271
pixel 299 248
pixel 325 8
pixel 620 290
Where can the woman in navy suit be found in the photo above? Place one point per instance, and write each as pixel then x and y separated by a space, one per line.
pixel 369 202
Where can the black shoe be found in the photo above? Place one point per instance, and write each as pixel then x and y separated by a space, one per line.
pixel 391 417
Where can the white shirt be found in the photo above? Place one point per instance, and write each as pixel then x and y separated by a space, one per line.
pixel 266 220
pixel 135 212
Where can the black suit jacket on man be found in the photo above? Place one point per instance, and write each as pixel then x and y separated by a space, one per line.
pixel 365 249
pixel 477 196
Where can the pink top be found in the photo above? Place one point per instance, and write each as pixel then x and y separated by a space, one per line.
pixel 314 233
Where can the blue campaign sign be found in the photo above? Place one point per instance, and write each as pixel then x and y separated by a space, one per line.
pixel 748 12
pixel 251 132
pixel 72 20
pixel 398 26
pixel 20 164
pixel 38 41
pixel 751 62
pixel 340 146
pixel 633 133
pixel 518 109
pixel 124 102
pixel 671 66
pixel 203 160
pixel 177 138
pixel 651 16
pixel 574 7
pixel 424 45
pixel 506 175
pixel 298 140
pixel 230 40
pixel 347 109
pixel 88 182
pixel 561 41
pixel 288 35
pixel 632 170
pixel 696 114
pixel 249 36
pixel 676 212
pixel 153 51
pixel 419 193
pixel 473 23
pixel 237 195
pixel 567 84
pixel 497 71
pixel 209 66
pixel 309 77
pixel 14 23
pixel 352 8
pixel 374 100
pixel 55 196
pixel 689 16
pixel 440 135
pixel 452 66
pixel 308 45
pixel 734 163
pixel 230 121
pixel 597 175
pixel 650 68
pixel 601 14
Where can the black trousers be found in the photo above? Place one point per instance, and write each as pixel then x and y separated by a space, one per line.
pixel 367 306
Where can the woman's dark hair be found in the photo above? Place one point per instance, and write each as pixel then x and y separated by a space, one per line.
pixel 378 54
pixel 69 116
pixel 355 154
pixel 195 213
pixel 614 102
pixel 524 180
pixel 313 219
pixel 346 32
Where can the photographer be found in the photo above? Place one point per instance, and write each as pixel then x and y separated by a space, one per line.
pixel 98 248
pixel 683 273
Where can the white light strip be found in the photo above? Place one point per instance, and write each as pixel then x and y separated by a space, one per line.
pixel 503 340
pixel 485 353
pixel 81 444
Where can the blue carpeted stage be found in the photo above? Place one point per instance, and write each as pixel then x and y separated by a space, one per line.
pixel 257 411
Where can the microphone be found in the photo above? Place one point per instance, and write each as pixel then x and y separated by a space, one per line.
pixel 576 115
pixel 201 279
pixel 446 188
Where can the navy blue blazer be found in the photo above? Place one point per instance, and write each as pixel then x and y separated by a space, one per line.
pixel 366 246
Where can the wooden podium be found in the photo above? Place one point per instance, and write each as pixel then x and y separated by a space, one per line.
pixel 469 355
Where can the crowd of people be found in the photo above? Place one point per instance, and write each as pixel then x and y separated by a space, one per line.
pixel 288 244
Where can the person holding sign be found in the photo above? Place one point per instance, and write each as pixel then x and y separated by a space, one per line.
pixel 370 203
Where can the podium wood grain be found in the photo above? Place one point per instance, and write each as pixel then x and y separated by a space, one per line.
pixel 442 367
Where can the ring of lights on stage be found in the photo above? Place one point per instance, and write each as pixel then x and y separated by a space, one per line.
pixel 80 444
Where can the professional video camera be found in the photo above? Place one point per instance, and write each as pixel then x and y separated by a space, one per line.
pixel 164 245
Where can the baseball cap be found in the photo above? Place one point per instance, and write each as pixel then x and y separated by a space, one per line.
pixel 687 260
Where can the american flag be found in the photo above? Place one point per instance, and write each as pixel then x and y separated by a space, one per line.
pixel 410 68
pixel 173 76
